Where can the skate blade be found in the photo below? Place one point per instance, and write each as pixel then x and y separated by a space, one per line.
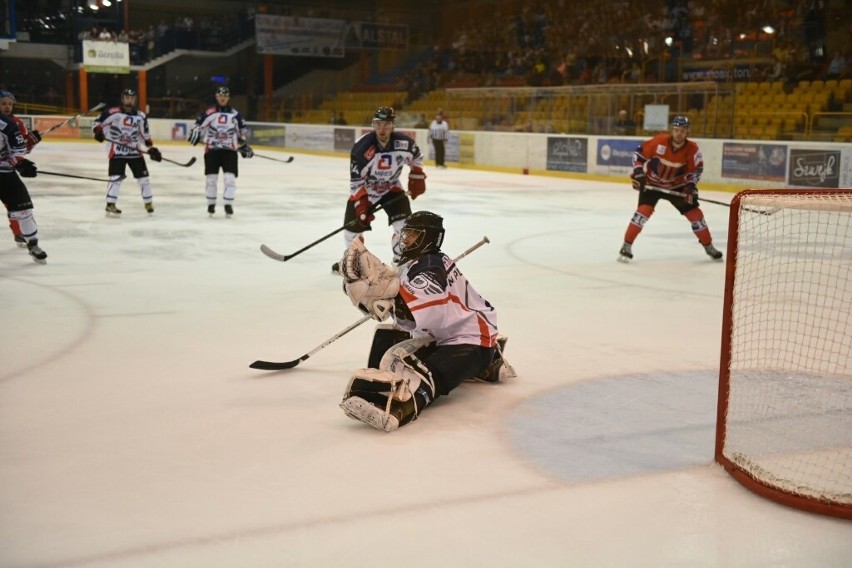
pixel 623 259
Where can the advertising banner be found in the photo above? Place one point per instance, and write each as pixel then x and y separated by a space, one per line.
pixel 616 152
pixel 286 35
pixel 267 134
pixel 814 168
pixel 566 154
pixel 754 161
pixel 344 139
pixel 106 57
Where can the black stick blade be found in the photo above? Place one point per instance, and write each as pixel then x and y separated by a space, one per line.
pixel 271 366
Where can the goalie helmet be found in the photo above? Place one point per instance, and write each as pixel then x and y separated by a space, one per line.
pixel 385 113
pixel 680 121
pixel 423 232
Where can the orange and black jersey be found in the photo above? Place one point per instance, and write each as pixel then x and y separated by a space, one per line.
pixel 666 167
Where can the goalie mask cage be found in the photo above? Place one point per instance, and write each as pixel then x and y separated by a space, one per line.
pixel 784 417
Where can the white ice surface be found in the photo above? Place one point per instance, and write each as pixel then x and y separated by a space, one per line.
pixel 133 433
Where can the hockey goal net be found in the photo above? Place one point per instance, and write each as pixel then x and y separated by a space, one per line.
pixel 784 427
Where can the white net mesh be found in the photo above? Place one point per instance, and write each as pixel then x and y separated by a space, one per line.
pixel 789 414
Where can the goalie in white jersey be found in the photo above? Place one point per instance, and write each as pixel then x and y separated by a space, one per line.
pixel 451 329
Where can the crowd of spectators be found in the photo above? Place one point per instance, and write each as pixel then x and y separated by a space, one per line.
pixel 552 42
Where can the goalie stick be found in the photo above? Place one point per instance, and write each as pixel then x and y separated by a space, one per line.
pixel 285 257
pixel 95 108
pixel 191 161
pixel 272 366
pixel 681 195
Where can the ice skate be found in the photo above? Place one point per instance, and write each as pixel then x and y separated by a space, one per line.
pixel 149 207
pixel 20 241
pixel 335 268
pixel 211 210
pixel 626 253
pixel 112 210
pixel 35 251
pixel 229 210
pixel 713 252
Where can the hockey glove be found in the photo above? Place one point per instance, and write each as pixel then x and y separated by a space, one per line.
pixel 26 168
pixel 362 211
pixel 246 151
pixel 155 154
pixel 99 134
pixel 370 284
pixel 416 182
pixel 690 193
pixel 36 136
pixel 639 179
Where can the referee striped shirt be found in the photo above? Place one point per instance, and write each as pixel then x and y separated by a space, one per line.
pixel 439 130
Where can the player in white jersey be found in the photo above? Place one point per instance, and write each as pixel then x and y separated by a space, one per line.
pixel 125 127
pixel 452 329
pixel 223 131
pixel 13 192
pixel 375 168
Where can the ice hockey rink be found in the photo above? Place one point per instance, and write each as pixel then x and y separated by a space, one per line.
pixel 134 434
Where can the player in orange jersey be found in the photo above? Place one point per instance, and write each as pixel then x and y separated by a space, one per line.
pixel 668 167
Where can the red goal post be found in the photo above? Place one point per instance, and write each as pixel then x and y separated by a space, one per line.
pixel 784 416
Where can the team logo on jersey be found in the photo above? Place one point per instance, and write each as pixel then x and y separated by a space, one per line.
pixel 661 148
pixel 222 119
pixel 400 144
pixel 385 162
pixel 426 283
pixel 128 121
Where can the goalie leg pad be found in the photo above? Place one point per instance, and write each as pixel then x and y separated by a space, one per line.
pixel 375 397
pixel 385 337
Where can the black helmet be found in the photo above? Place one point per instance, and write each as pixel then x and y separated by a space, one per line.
pixel 423 232
pixel 128 93
pixel 384 113
pixel 223 91
pixel 680 121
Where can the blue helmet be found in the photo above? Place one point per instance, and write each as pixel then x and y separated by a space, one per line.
pixel 4 94
pixel 680 121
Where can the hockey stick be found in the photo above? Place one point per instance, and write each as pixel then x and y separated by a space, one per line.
pixel 681 195
pixel 271 366
pixel 191 161
pixel 95 108
pixel 287 161
pixel 285 257
pixel 78 177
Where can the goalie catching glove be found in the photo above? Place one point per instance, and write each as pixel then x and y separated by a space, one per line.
pixel 370 284
pixel 639 179
pixel 416 182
